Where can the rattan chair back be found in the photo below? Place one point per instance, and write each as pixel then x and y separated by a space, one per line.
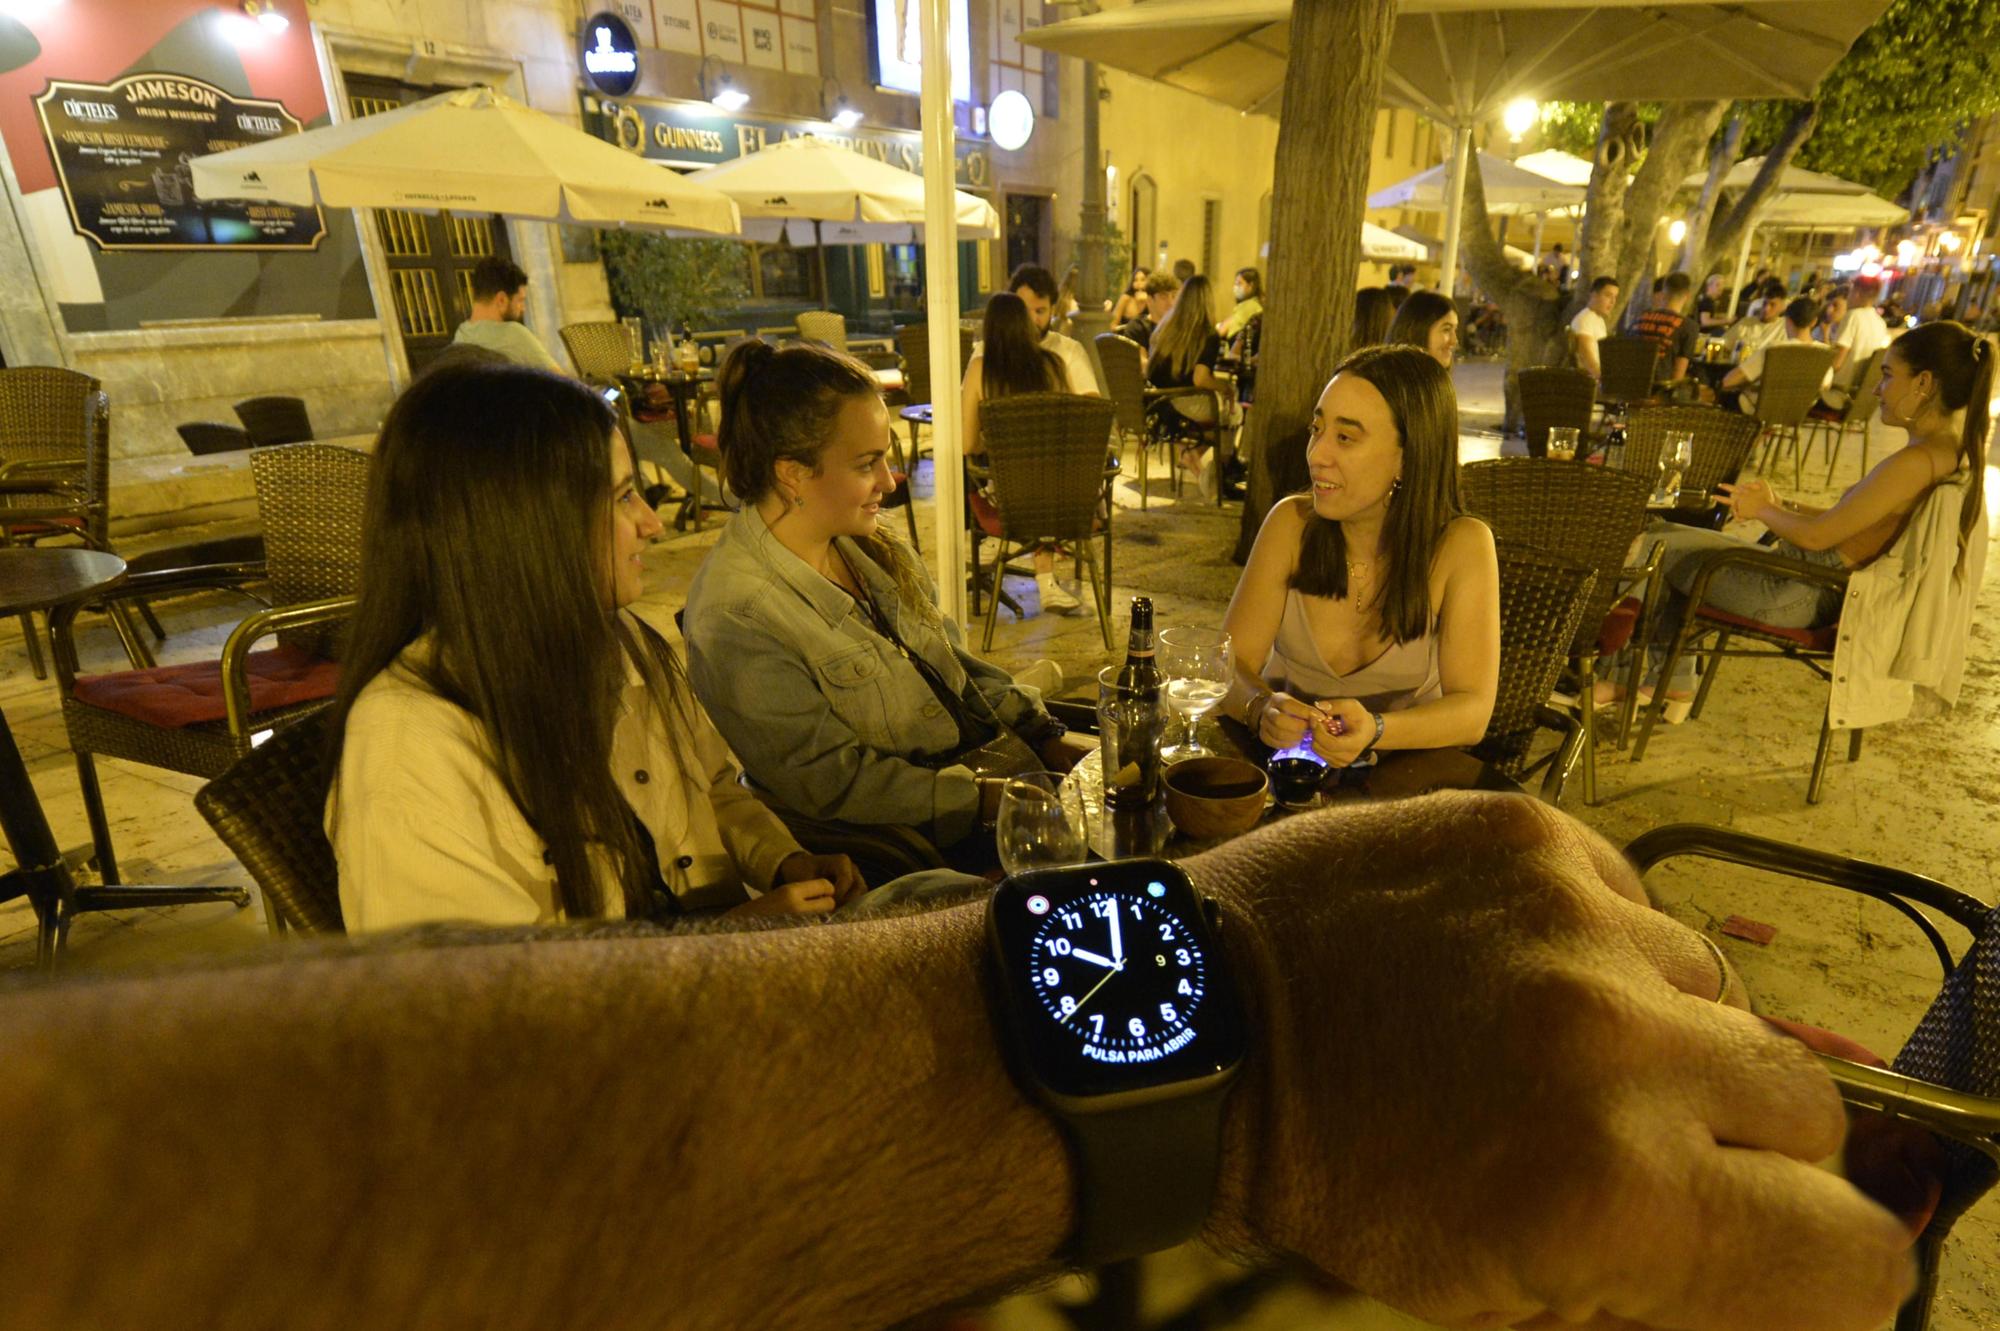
pixel 1551 397
pixel 1047 453
pixel 1589 516
pixel 1790 383
pixel 55 425
pixel 913 344
pixel 1628 365
pixel 205 437
pixel 1722 443
pixel 828 326
pixel 269 809
pixel 601 350
pixel 271 421
pixel 311 498
pixel 1124 380
pixel 1862 399
pixel 1542 601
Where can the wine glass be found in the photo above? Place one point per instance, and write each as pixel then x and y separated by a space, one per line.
pixel 1040 824
pixel 1198 664
pixel 1676 456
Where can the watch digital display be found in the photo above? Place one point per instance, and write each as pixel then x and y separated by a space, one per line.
pixel 1115 978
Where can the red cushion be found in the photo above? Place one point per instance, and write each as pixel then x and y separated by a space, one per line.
pixel 30 530
pixel 1617 628
pixel 1822 412
pixel 985 514
pixel 706 443
pixel 187 695
pixel 1819 640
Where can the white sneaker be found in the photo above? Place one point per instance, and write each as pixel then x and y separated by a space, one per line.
pixel 1054 598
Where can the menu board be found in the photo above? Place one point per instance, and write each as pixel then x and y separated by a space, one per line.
pixel 122 151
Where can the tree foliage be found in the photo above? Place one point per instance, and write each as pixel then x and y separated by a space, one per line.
pixel 674 283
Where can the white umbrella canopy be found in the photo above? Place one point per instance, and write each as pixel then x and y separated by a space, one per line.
pixel 1380 244
pixel 1803 198
pixel 812 180
pixel 1557 165
pixel 471 150
pixel 1510 190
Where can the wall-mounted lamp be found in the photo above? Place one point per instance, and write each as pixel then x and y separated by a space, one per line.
pixel 720 87
pixel 268 15
pixel 834 106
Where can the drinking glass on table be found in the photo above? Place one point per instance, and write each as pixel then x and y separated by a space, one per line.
pixel 1197 664
pixel 1041 823
pixel 1562 443
pixel 1676 456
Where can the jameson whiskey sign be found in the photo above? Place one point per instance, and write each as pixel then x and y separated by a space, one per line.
pixel 122 152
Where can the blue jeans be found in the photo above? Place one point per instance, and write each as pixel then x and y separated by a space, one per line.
pixel 1768 599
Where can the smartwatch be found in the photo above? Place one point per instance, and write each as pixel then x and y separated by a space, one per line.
pixel 1119 1014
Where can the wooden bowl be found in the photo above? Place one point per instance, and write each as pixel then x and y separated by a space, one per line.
pixel 1213 798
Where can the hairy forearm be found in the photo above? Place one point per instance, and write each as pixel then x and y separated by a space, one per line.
pixel 547 1134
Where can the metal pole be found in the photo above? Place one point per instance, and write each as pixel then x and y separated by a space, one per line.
pixel 819 243
pixel 1090 291
pixel 941 298
pixel 1454 206
pixel 1542 220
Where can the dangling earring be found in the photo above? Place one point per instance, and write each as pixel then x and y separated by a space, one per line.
pixel 798 501
pixel 1395 485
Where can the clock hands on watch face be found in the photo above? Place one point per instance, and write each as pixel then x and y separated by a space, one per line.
pixel 1085 1000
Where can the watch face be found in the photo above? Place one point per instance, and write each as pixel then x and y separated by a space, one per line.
pixel 1116 981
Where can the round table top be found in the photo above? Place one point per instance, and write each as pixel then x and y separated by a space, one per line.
pixel 653 375
pixel 42 579
pixel 920 412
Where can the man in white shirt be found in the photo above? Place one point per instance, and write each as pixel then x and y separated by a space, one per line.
pixel 499 303
pixel 1036 287
pixel 1860 335
pixel 1761 326
pixel 1797 324
pixel 1590 327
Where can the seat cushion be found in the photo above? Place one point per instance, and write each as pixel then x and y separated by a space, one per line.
pixel 1617 628
pixel 178 696
pixel 1820 639
pixel 985 514
pixel 1821 412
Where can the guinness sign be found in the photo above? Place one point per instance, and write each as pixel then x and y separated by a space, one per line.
pixel 610 55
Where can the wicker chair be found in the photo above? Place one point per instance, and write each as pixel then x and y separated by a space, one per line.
pixel 1542 600
pixel 1590 517
pixel 1786 391
pixel 1551 397
pixel 1125 376
pixel 205 437
pixel 913 345
pixel 601 351
pixel 270 421
pixel 1047 457
pixel 828 326
pixel 201 717
pixel 1857 416
pixel 269 808
pixel 1628 365
pixel 1946 1079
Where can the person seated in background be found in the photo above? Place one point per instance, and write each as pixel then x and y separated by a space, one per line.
pixel 1740 385
pixel 1369 613
pixel 1374 311
pixel 1592 325
pixel 1937 384
pixel 1428 321
pixel 1754 288
pixel 1862 333
pixel 1762 322
pixel 1670 328
pixel 512 743
pixel 1037 290
pixel 494 323
pixel 814 634
pixel 1131 302
pixel 1161 288
pixel 1402 281
pixel 1831 311
pixel 1011 359
pixel 1182 354
pixel 1248 291
pixel 1183 270
pixel 1066 306
pixel 1711 311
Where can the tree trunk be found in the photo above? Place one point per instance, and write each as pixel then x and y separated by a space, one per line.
pixel 1533 307
pixel 1721 159
pixel 1678 141
pixel 1726 234
pixel 1604 197
pixel 1326 127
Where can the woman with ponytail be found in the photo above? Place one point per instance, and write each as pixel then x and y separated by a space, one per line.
pixel 511 744
pixel 1937 383
pixel 814 635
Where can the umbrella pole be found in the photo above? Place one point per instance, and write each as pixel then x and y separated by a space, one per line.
pixel 1454 206
pixel 1542 220
pixel 819 243
pixel 941 300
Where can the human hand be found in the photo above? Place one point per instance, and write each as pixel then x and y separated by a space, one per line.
pixel 803 866
pixel 1283 720
pixel 1066 751
pixel 1748 499
pixel 1466 1008
pixel 808 896
pixel 1342 730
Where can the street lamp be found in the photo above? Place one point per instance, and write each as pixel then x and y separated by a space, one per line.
pixel 1521 115
pixel 1677 232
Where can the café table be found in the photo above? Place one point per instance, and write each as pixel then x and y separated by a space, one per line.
pixel 684 387
pixel 1397 774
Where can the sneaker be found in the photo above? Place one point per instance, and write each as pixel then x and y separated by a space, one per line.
pixel 1054 598
pixel 1209 478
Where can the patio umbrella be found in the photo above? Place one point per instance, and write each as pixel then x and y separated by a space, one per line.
pixel 1801 200
pixel 810 189
pixel 1510 190
pixel 1380 244
pixel 471 150
pixel 1459 61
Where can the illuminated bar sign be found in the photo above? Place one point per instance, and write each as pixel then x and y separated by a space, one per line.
pixel 121 154
pixel 610 54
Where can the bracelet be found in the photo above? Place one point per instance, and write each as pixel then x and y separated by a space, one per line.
pixel 1381 720
pixel 1259 705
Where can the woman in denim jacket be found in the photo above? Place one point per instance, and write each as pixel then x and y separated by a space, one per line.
pixel 814 636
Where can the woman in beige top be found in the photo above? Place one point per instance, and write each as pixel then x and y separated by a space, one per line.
pixel 511 743
pixel 1369 612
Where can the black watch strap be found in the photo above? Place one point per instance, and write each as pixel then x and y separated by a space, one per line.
pixel 1145 1175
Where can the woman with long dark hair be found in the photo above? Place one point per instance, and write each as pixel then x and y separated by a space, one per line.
pixel 1011 359
pixel 814 635
pixel 1374 311
pixel 1428 321
pixel 1369 613
pixel 511 743
pixel 1131 302
pixel 1182 354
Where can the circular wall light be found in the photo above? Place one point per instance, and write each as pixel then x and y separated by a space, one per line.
pixel 1010 120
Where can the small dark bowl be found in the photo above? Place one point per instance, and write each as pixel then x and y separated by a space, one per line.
pixel 1213 798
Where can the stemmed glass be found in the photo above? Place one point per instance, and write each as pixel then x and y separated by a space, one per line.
pixel 1198 664
pixel 1040 824
pixel 1676 456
